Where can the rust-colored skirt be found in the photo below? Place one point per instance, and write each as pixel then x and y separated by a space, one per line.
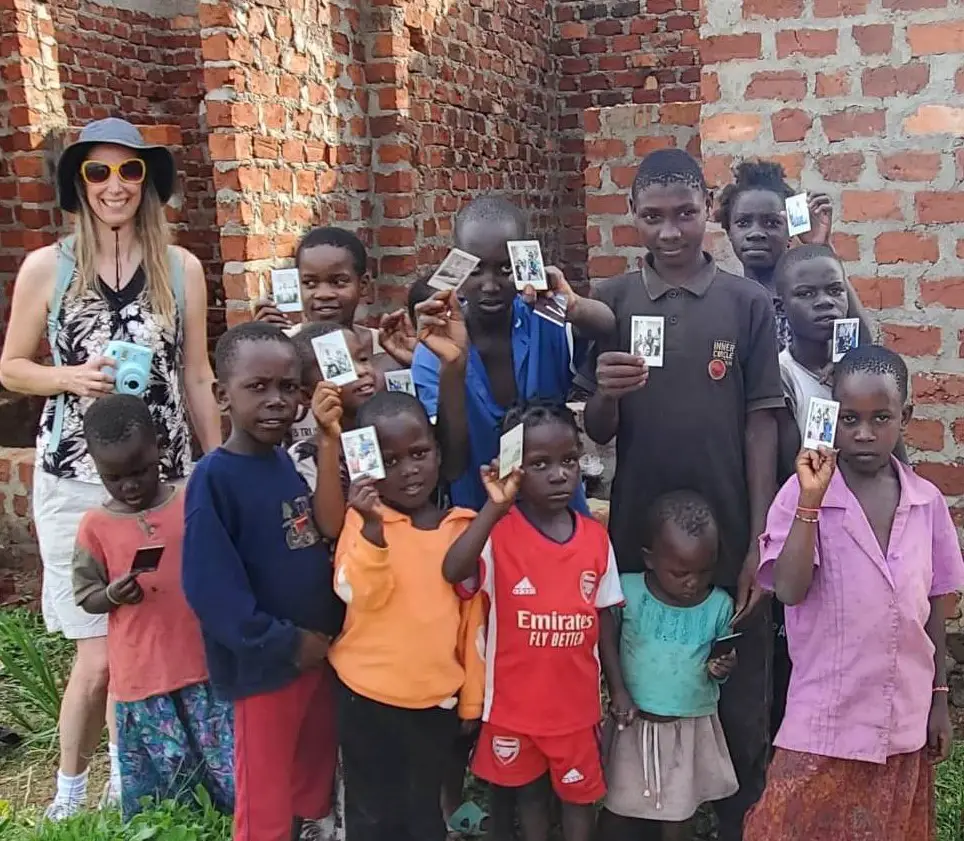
pixel 818 798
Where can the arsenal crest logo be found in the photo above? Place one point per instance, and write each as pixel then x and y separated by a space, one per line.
pixel 587 585
pixel 505 748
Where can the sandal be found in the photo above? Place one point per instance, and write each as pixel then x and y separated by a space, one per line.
pixel 468 820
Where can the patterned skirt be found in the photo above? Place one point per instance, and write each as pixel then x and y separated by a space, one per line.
pixel 168 745
pixel 819 798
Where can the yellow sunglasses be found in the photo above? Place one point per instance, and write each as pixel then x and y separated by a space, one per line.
pixel 131 171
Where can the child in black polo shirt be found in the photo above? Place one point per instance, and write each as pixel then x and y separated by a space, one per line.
pixel 703 421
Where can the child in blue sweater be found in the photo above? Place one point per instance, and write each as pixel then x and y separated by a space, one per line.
pixel 258 575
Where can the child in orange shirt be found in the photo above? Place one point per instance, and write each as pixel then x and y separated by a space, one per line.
pixel 409 652
pixel 173 734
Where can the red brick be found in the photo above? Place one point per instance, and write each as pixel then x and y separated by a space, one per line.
pixel 909 166
pixel 843 168
pixel 905 247
pixel 612 203
pixel 606 266
pixel 784 85
pixel 949 478
pixel 914 5
pixel 642 146
pixel 604 150
pixel 625 236
pixel 679 114
pixel 946 291
pixel 790 124
pixel 936 38
pixel 623 176
pixel 735 128
pixel 891 81
pixel 853 122
pixel 718 169
pixel 773 9
pixel 839 8
pixel 880 292
pixel 832 84
pixel 815 43
pixel 935 119
pixel 720 48
pixel 938 388
pixel 869 205
pixel 924 434
pixel 709 87
pixel 939 207
pixel 395 237
pixel 911 340
pixel 875 38
pixel 958 430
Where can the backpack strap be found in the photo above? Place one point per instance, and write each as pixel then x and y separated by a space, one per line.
pixel 66 264
pixel 176 265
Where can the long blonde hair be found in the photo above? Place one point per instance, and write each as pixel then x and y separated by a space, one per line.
pixel 154 236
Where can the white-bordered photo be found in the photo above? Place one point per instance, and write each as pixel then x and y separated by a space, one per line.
pixel 455 268
pixel 551 308
pixel 400 381
pixel 333 357
pixel 363 456
pixel 510 451
pixel 821 427
pixel 798 214
pixel 846 335
pixel 648 332
pixel 527 266
pixel 286 290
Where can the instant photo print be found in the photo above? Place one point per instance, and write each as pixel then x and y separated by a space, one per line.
pixel 510 451
pixel 333 357
pixel 363 457
pixel 400 381
pixel 551 308
pixel 821 428
pixel 648 339
pixel 798 214
pixel 455 268
pixel 286 290
pixel 846 334
pixel 527 266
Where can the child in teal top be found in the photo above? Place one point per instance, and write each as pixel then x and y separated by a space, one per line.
pixel 667 750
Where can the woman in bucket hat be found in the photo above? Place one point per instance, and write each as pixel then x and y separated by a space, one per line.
pixel 116 278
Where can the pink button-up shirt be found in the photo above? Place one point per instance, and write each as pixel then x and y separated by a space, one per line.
pixel 863 665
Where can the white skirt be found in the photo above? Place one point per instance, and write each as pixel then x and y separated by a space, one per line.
pixel 663 771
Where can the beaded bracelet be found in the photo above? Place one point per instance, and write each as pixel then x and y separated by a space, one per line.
pixel 941 689
pixel 802 519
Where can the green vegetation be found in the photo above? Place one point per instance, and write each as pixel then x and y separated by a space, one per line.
pixel 950 797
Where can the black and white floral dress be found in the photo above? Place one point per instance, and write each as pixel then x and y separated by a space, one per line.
pixel 86 324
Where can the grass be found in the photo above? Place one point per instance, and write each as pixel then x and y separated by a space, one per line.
pixel 950 796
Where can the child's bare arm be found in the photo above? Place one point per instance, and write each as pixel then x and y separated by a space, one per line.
pixel 462 559
pixel 329 500
pixel 620 701
pixel 588 316
pixel 939 729
pixel 617 374
pixel 793 569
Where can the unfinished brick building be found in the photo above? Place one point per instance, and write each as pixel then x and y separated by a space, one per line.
pixel 386 115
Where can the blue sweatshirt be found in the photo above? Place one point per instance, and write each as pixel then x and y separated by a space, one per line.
pixel 256 569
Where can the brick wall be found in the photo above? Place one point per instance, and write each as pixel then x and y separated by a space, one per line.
pixel 617 52
pixel 866 99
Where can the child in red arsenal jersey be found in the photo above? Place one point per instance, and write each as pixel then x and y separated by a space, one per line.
pixel 547 572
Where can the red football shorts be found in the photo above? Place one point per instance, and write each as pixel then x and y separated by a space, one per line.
pixel 509 759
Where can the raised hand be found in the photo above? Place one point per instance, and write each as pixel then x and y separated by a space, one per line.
pixel 502 492
pixel 619 373
pixel 265 310
pixel 814 472
pixel 821 220
pixel 396 335
pixel 441 327
pixel 327 409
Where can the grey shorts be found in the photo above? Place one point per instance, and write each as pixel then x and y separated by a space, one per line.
pixel 58 506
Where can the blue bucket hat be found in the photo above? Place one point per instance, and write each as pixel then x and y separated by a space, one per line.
pixel 161 170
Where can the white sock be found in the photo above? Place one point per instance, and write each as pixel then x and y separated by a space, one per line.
pixel 115 774
pixel 72 789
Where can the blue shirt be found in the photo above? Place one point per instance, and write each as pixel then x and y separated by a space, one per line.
pixel 255 569
pixel 663 650
pixel 542 355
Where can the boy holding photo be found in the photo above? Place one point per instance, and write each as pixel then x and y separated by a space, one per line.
pixel 704 421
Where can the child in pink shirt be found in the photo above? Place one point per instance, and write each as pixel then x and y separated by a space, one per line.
pixel 173 734
pixel 861 550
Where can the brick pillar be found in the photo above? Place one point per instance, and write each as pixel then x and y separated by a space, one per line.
pixel 865 100
pixel 31 111
pixel 395 180
pixel 288 132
